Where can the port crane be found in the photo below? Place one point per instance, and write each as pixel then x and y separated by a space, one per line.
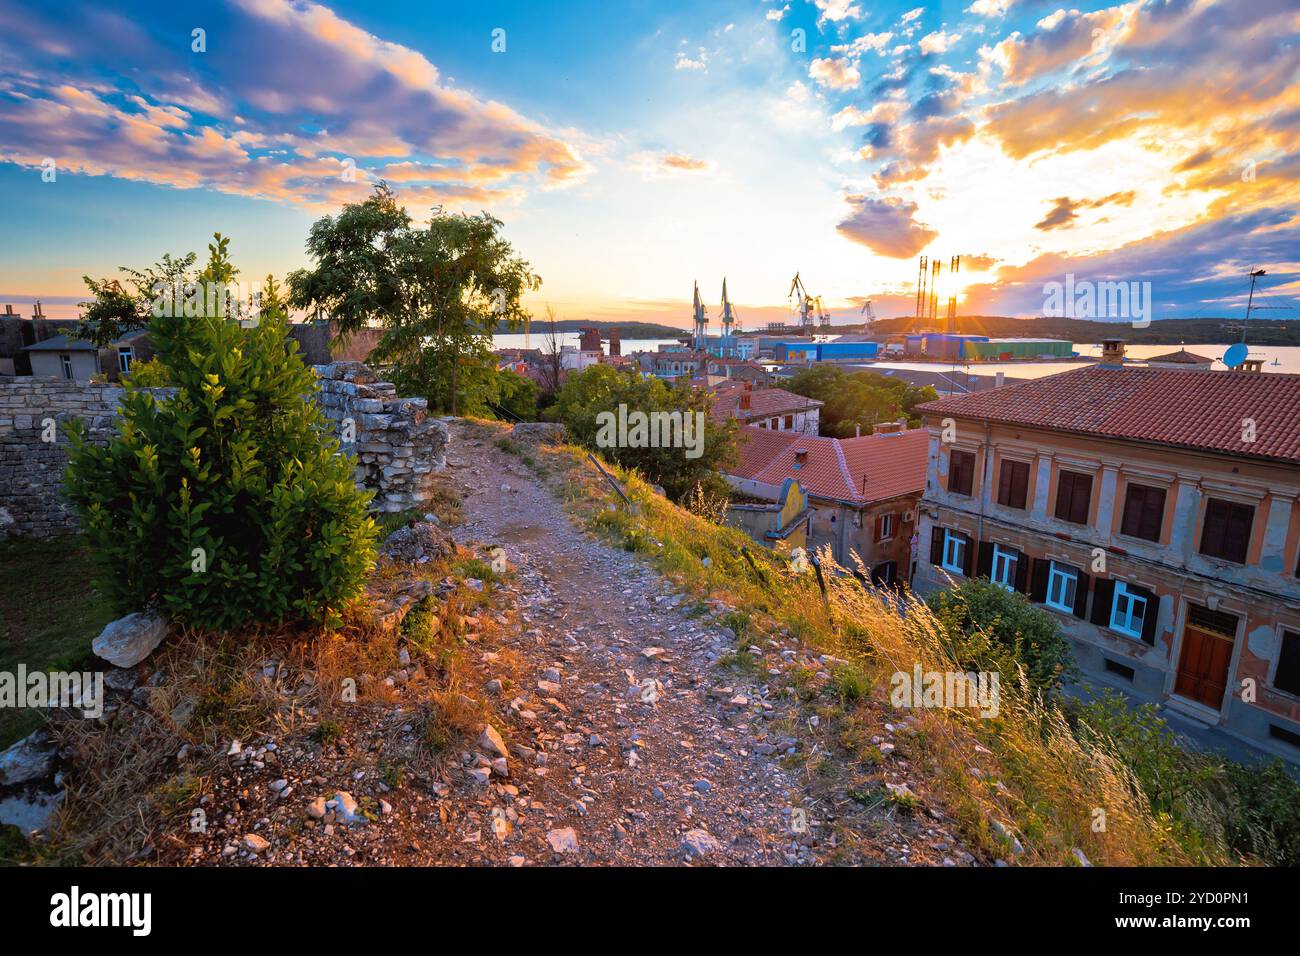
pixel 810 309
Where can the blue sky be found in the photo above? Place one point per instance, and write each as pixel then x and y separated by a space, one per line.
pixel 633 148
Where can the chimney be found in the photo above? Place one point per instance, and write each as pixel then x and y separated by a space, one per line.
pixel 801 456
pixel 1252 365
pixel 1112 352
pixel 9 310
pixel 999 379
pixel 37 313
pixel 744 400
pixel 889 428
pixel 615 343
pixel 857 431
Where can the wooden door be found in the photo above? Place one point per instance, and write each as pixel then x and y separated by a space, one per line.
pixel 1203 667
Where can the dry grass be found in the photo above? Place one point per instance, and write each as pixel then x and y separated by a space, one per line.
pixel 1026 767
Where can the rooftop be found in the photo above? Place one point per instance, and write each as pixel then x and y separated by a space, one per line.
pixel 1160 405
pixel 61 343
pixel 858 470
pixel 763 402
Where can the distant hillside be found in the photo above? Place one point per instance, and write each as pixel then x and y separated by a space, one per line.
pixel 626 330
pixel 1159 332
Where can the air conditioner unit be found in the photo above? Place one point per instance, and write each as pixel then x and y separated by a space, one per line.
pixel 909 517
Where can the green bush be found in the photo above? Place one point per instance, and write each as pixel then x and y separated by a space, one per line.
pixel 990 628
pixel 150 374
pixel 228 504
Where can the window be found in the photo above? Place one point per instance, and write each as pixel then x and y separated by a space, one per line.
pixel 961 473
pixel 125 355
pixel 789 422
pixel 884 574
pixel 884 527
pixel 65 361
pixel 1128 611
pixel 954 552
pixel 1003 571
pixel 1284 735
pixel 1226 533
pixel 1013 484
pixel 1287 675
pixel 1062 583
pixel 1144 512
pixel 1073 497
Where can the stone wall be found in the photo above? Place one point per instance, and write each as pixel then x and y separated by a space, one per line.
pixel 398 447
pixel 31 468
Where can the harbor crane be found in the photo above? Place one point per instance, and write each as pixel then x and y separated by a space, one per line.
pixel 810 309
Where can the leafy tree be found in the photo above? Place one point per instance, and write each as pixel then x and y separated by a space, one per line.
pixel 602 388
pixel 860 399
pixel 438 292
pixel 150 374
pixel 518 394
pixel 989 628
pixel 117 309
pixel 229 504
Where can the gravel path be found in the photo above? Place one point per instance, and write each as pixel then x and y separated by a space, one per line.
pixel 644 763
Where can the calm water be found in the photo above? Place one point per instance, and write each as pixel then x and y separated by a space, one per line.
pixel 1288 356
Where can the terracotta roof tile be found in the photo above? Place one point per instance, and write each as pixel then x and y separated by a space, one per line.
pixel 763 403
pixel 1166 406
pixel 892 465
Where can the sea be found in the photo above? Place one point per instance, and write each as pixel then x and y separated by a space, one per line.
pixel 1277 358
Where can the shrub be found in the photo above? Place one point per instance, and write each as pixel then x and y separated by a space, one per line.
pixel 229 503
pixel 990 628
pixel 150 374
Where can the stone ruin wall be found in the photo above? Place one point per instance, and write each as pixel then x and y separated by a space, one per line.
pixel 398 447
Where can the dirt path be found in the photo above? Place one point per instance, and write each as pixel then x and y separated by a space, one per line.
pixel 642 762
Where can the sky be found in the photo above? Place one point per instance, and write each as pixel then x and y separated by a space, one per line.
pixel 632 149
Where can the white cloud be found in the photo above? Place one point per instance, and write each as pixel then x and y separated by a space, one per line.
pixel 938 41
pixel 869 41
pixel 835 73
pixel 990 8
pixel 778 14
pixel 911 15
pixel 837 10
pixel 684 62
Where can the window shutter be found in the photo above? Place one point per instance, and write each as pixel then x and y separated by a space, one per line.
pixel 985 568
pixel 1038 589
pixel 1236 542
pixel 936 545
pixel 970 556
pixel 1064 490
pixel 1019 484
pixel 1134 511
pixel 1213 533
pixel 1153 513
pixel 1004 483
pixel 1103 601
pixel 1151 618
pixel 1080 498
pixel 1081 596
pixel 1022 571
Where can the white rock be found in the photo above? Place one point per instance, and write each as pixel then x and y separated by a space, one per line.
pixel 490 742
pixel 563 840
pixel 254 843
pixel 32 758
pixel 129 640
pixel 698 842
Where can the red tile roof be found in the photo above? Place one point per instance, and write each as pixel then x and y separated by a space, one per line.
pixel 892 465
pixel 763 402
pixel 1166 406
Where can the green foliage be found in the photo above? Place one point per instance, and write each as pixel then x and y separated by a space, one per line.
pixel 439 293
pixel 517 394
pixel 150 374
pixel 858 399
pixel 989 628
pixel 229 504
pixel 602 388
pixel 1257 805
pixel 117 309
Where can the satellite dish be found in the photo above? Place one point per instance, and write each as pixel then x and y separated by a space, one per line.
pixel 1235 355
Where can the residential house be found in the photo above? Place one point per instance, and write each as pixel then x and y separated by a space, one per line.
pixel 1154 513
pixel 863 492
pixel 782 523
pixel 772 408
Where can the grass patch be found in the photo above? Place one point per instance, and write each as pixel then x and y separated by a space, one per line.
pixel 50 611
pixel 1027 766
